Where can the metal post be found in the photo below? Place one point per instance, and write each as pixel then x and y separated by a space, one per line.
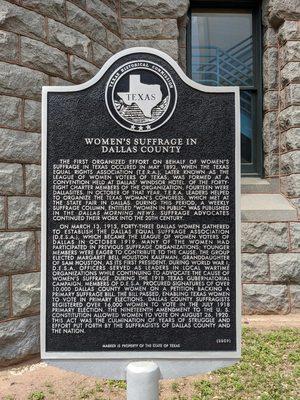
pixel 142 380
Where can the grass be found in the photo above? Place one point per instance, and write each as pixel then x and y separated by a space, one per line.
pixel 49 386
pixel 204 389
pixel 116 384
pixel 96 392
pixel 37 395
pixel 269 370
pixel 175 387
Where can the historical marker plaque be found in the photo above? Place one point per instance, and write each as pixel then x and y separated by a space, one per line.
pixel 141 214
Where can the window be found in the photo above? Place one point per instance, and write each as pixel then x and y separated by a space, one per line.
pixel 224 49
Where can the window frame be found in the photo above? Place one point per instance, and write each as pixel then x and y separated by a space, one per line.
pixel 256 167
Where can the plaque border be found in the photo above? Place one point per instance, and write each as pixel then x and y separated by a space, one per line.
pixel 164 356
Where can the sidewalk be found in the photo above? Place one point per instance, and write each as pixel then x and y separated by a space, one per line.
pixel 266 322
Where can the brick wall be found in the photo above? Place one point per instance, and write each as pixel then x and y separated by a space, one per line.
pixel 271 251
pixel 153 23
pixel 49 42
